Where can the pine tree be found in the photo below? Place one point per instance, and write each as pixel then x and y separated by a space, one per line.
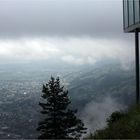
pixel 60 122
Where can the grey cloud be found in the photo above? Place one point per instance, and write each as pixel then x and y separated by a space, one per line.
pixel 61 18
pixel 77 51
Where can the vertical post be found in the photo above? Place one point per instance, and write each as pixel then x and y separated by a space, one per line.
pixel 137 64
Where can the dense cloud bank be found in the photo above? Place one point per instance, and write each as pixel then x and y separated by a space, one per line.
pixel 75 51
pixel 96 18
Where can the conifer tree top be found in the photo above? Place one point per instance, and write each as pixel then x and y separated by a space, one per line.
pixel 60 122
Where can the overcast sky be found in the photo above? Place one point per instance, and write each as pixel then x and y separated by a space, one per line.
pixel 74 31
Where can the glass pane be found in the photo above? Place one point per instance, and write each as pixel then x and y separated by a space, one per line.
pixel 136 4
pixel 131 12
pixel 125 14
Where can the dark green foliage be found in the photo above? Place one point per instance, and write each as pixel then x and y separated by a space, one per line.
pixel 60 122
pixel 115 116
pixel 121 125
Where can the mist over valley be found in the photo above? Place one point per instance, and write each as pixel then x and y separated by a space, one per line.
pixel 105 86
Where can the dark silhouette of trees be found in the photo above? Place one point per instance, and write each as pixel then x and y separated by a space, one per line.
pixel 59 121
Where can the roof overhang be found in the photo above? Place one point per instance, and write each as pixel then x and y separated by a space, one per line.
pixel 131 15
pixel 132 28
